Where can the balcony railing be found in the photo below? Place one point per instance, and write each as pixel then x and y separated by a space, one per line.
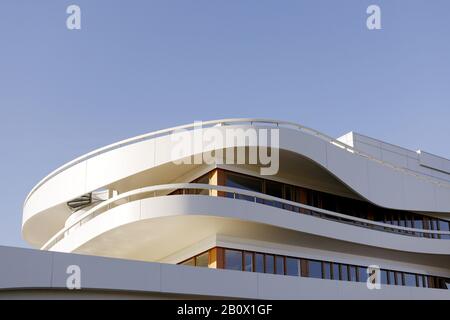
pixel 238 194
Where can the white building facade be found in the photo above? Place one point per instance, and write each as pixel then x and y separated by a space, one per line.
pixel 302 216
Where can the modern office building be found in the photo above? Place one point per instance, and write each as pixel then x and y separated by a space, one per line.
pixel 308 228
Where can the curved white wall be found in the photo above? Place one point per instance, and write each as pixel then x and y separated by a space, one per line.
pixel 375 181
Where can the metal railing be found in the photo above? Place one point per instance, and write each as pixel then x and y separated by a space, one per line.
pixel 239 194
pixel 226 122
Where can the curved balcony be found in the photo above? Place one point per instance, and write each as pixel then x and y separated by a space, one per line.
pixel 224 122
pixel 236 194
pixel 377 181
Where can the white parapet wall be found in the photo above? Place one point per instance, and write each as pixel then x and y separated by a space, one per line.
pixel 27 273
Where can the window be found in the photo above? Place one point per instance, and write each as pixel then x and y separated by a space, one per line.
pixel 326 270
pixel 203 180
pixel 362 274
pixel 352 273
pixel 391 277
pixel 447 284
pixel 292 267
pixel 395 220
pixel 243 182
pixel 202 260
pixel 259 262
pixel 384 277
pixel 248 261
pixel 430 282
pixel 336 271
pixel 419 279
pixel 434 226
pixel 289 193
pixel 402 220
pixel 269 264
pixel 444 226
pixel 276 264
pixel 399 278
pixel 425 281
pixel 344 272
pixel 233 259
pixel 274 189
pixel 409 222
pixel 315 269
pixel 190 262
pixel 279 265
pixel 410 280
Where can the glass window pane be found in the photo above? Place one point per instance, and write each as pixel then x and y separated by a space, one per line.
pixel 384 277
pixel 344 272
pixel 274 189
pixel 279 267
pixel 202 260
pixel 391 277
pixel 362 274
pixel 409 222
pixel 443 225
pixel 292 267
pixel 243 182
pixel 352 270
pixel 315 269
pixel 289 193
pixel 419 278
pixel 259 262
pixel 401 217
pixel 233 259
pixel 447 284
pixel 248 261
pixel 399 278
pixel 190 262
pixel 326 270
pixel 418 222
pixel 410 279
pixel 269 263
pixel 336 271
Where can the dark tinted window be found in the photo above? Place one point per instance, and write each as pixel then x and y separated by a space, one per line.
pixel 233 259
pixel 269 264
pixel 290 193
pixel 259 262
pixel 315 269
pixel 391 277
pixel 410 280
pixel 362 274
pixel 384 277
pixel 243 182
pixel 352 270
pixel 336 271
pixel 248 261
pixel 326 270
pixel 274 189
pixel 419 280
pixel 344 272
pixel 292 267
pixel 399 278
pixel 279 265
pixel 447 284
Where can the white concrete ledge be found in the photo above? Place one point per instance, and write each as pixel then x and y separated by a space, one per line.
pixel 24 270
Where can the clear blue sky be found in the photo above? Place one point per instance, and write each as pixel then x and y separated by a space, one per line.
pixel 137 66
